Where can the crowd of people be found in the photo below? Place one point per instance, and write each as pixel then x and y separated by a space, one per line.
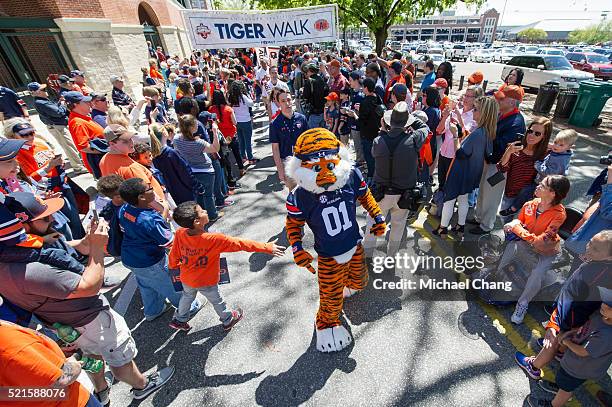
pixel 160 189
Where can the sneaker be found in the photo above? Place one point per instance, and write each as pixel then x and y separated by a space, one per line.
pixel 167 307
pixel 219 215
pixel 473 221
pixel 235 186
pixel 104 396
pixel 525 363
pixel 228 202
pixel 535 402
pixel 155 381
pixel 237 315
pixel 507 212
pixel 254 161
pixel 519 313
pixel 180 326
pixel 549 309
pixel 549 387
pixel 478 231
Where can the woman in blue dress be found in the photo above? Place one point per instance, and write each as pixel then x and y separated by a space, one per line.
pixel 466 168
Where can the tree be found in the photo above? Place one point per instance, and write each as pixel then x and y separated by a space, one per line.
pixel 377 15
pixel 593 34
pixel 532 35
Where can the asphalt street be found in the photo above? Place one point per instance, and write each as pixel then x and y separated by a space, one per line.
pixel 409 349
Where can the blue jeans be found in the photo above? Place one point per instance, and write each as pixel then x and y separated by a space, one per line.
pixel 93 401
pixel 155 286
pixel 206 201
pixel 367 154
pixel 315 120
pixel 245 133
pixel 220 186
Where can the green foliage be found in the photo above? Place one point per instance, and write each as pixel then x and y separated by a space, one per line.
pixel 593 34
pixel 532 35
pixel 377 15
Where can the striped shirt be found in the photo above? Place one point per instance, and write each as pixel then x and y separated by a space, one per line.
pixel 520 172
pixel 193 152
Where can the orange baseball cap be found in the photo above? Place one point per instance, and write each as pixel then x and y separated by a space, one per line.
pixel 335 63
pixel 475 78
pixel 333 96
pixel 511 91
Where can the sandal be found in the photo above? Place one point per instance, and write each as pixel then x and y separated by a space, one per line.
pixel 459 229
pixel 441 231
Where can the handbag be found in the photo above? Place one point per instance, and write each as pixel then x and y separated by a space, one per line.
pixel 496 178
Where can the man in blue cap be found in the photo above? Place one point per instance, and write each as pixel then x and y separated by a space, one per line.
pixel 55 117
pixel 11 105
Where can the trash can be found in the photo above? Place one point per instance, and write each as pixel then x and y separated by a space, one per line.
pixel 565 103
pixel 546 97
pixel 592 96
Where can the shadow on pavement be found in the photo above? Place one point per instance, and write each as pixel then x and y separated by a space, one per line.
pixel 309 373
pixel 258 261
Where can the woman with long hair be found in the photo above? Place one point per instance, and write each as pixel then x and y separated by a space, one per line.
pixel 431 107
pixel 445 70
pixel 467 166
pixel 194 150
pixel 227 125
pixel 241 103
pixel 514 77
pixel 518 161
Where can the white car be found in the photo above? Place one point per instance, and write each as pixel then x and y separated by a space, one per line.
pixel 481 55
pixel 420 61
pixel 504 55
pixel 550 51
pixel 527 49
pixel 539 69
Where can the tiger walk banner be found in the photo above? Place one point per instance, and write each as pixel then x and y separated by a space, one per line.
pixel 261 28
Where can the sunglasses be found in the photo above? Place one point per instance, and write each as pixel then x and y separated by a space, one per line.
pixel 101 100
pixel 537 133
pixel 28 134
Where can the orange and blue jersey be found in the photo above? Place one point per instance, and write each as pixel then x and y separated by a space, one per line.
pixel 330 215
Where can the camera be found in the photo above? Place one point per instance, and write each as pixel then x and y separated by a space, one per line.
pixel 605 159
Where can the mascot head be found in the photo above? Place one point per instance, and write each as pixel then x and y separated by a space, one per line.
pixel 320 162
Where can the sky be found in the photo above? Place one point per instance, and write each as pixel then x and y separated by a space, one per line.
pixel 522 12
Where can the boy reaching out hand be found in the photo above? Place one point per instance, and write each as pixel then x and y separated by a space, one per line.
pixel 196 253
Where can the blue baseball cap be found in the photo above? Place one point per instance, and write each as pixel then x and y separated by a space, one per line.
pixel 76 72
pixel 11 228
pixel 23 129
pixel 606 295
pixel 34 86
pixel 9 148
pixel 76 97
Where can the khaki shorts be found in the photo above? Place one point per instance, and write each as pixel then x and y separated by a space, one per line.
pixel 108 336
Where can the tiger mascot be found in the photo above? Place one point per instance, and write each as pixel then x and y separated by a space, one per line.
pixel 328 187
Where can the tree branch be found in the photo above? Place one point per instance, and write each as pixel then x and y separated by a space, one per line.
pixel 348 11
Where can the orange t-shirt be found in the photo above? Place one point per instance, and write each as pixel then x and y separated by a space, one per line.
pixel 34 158
pixel 154 73
pixel 82 129
pixel 127 168
pixel 445 101
pixel 227 127
pixel 30 359
pixel 198 256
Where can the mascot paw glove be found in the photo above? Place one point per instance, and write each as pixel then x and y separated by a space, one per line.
pixel 302 258
pixel 379 227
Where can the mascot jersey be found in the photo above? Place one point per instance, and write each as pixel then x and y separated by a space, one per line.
pixel 330 215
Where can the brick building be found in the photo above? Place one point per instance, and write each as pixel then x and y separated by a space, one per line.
pixel 444 27
pixel 99 37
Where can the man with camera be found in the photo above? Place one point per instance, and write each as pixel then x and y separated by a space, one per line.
pixel 396 153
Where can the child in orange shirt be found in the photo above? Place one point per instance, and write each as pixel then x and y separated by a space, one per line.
pixel 197 254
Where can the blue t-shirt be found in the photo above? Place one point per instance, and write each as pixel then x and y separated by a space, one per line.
pixel 145 236
pixel 332 118
pixel 285 132
pixel 330 215
pixel 10 103
pixel 428 80
pixel 161 113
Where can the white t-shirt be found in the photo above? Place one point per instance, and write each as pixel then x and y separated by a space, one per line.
pixel 260 73
pixel 268 86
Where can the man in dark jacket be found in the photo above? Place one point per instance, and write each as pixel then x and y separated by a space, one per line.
pixel 510 128
pixel 370 113
pixel 55 117
pixel 396 153
pixel 120 98
pixel 314 92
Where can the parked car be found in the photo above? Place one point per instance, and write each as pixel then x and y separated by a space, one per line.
pixel 550 51
pixel 540 69
pixel 419 62
pixel 599 65
pixel 504 55
pixel 457 52
pixel 527 49
pixel 481 55
pixel 421 49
